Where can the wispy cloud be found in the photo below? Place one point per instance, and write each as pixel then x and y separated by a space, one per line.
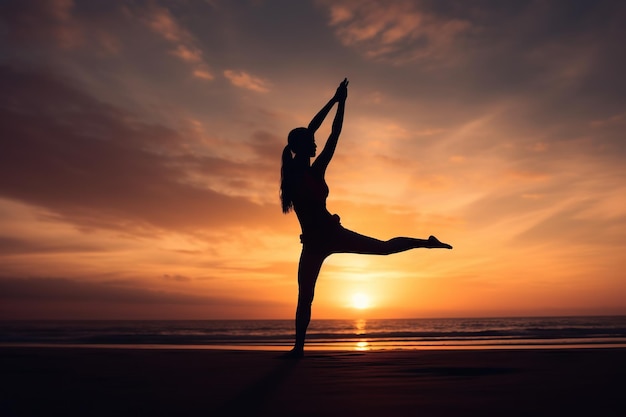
pixel 55 21
pixel 246 80
pixel 65 298
pixel 617 119
pixel 203 74
pixel 397 31
pixel 185 45
pixel 162 22
pixel 176 278
pixel 188 54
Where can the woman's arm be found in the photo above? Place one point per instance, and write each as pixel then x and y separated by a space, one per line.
pixel 321 115
pixel 322 161
pixel 317 121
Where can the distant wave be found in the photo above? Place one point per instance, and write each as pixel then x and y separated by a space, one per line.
pixel 399 333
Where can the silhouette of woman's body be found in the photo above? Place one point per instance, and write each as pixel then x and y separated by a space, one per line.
pixel 304 190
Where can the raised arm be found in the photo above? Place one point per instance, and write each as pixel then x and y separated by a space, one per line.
pixel 321 115
pixel 322 161
pixel 317 121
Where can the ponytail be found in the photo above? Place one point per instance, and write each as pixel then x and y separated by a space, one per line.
pixel 287 174
pixel 286 180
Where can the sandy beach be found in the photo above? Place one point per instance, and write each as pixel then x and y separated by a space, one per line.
pixel 142 382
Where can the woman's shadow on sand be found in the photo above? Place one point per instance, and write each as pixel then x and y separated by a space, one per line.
pixel 252 399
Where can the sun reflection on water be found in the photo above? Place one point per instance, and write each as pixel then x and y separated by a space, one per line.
pixel 362 345
pixel 360 329
pixel 359 326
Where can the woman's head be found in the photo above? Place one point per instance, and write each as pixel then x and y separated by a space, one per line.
pixel 302 142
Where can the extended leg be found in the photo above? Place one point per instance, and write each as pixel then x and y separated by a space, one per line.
pixel 351 242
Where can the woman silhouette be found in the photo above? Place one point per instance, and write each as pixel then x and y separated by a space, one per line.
pixel 304 190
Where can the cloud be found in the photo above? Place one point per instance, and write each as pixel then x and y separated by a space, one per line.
pixel 397 31
pixel 17 246
pixel 617 119
pixel 574 226
pixel 68 290
pixel 39 19
pixel 56 21
pixel 162 22
pixel 189 54
pixel 63 298
pixel 186 46
pixel 203 74
pixel 176 278
pixel 245 80
pixel 96 165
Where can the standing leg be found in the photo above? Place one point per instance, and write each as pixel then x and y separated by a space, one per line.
pixel 308 271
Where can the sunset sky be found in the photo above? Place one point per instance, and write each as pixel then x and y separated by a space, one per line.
pixel 140 147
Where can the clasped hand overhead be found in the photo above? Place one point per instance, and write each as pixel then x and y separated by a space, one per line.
pixel 342 91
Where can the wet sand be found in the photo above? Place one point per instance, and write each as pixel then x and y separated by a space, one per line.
pixel 141 382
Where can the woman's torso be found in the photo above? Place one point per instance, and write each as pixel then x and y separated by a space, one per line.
pixel 309 202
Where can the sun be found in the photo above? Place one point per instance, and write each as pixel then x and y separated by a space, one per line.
pixel 360 301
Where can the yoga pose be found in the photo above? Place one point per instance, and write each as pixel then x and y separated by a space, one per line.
pixel 304 190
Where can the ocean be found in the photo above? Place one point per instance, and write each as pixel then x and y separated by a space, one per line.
pixel 370 334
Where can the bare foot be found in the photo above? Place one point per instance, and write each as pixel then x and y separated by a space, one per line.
pixel 294 353
pixel 433 242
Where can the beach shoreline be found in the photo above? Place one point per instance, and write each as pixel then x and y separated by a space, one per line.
pixel 193 382
pixel 361 346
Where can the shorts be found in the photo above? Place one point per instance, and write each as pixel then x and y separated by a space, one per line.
pixel 323 236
